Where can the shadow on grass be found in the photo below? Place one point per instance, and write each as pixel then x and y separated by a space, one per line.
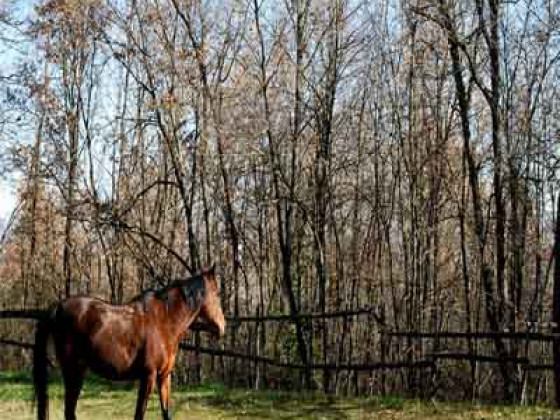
pixel 22 377
pixel 19 386
pixel 240 406
pixel 100 395
pixel 283 405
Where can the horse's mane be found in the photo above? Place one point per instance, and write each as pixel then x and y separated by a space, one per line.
pixel 192 289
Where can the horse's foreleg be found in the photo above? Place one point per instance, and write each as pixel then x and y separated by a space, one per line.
pixel 164 383
pixel 144 391
pixel 73 381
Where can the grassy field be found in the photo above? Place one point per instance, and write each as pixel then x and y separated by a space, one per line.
pixel 103 401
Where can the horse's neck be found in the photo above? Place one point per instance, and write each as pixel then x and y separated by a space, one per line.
pixel 178 312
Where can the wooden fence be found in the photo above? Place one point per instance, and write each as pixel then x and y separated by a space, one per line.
pixel 429 361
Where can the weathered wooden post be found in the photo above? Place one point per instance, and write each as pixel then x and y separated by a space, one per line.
pixel 556 306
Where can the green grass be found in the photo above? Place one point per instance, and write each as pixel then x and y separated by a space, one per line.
pixel 102 400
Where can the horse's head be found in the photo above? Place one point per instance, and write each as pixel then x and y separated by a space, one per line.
pixel 211 308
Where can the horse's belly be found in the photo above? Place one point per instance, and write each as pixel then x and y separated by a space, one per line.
pixel 114 365
pixel 115 356
pixel 113 373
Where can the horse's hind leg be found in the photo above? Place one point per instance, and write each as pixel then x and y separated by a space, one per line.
pixel 73 372
pixel 164 384
pixel 144 391
pixel 73 381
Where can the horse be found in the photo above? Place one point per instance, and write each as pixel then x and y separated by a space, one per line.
pixel 135 341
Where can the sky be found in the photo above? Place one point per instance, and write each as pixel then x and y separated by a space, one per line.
pixel 7 199
pixel 8 182
pixel 10 56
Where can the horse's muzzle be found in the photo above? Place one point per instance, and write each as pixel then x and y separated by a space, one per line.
pixel 217 330
pixel 221 330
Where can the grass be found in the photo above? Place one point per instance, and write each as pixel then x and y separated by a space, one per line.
pixel 102 400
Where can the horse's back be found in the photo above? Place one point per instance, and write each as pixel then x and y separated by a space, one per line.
pixel 86 314
pixel 107 338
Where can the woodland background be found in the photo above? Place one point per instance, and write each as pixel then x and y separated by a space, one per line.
pixel 327 155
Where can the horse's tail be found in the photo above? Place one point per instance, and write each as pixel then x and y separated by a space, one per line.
pixel 40 366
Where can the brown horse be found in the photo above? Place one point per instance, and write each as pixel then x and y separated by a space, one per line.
pixel 138 340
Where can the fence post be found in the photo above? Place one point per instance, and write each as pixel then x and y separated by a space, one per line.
pixel 556 306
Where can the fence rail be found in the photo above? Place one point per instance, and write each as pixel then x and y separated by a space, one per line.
pixel 472 357
pixel 430 361
pixel 325 315
pixel 318 366
pixel 366 367
pixel 33 314
pixel 15 343
pixel 482 335
pixel 38 314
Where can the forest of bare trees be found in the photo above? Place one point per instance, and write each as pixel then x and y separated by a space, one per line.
pixel 395 157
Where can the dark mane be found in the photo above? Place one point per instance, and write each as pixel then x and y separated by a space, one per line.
pixel 193 291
